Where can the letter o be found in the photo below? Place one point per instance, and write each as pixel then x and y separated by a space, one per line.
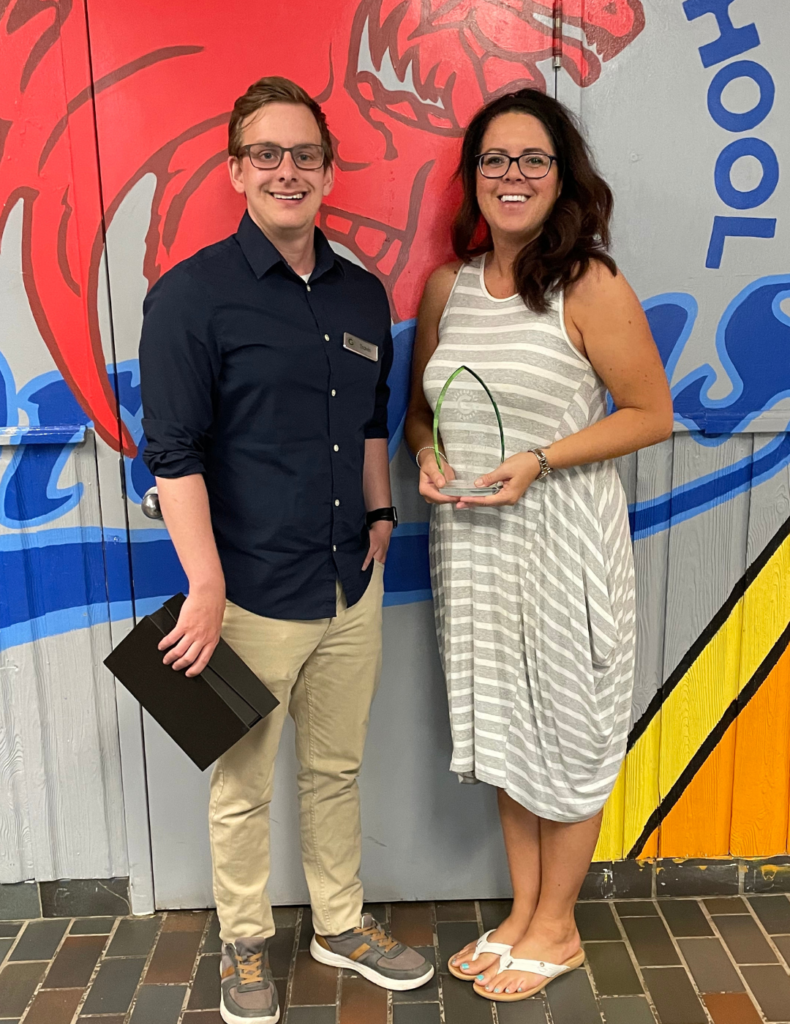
pixel 764 190
pixel 748 119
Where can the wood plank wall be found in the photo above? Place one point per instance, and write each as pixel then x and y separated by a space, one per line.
pixel 61 798
pixel 710 770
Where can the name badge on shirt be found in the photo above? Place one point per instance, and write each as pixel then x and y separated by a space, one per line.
pixel 360 347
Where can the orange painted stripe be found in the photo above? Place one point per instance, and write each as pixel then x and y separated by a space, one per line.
pixel 650 849
pixel 699 823
pixel 761 791
pixel 738 803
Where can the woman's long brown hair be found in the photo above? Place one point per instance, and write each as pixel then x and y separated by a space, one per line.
pixel 577 229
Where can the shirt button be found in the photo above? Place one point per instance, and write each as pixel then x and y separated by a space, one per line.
pixel 334 547
pixel 326 337
pixel 308 288
pixel 333 392
pixel 336 447
pixel 337 501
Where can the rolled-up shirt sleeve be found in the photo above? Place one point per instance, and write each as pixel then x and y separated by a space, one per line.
pixel 377 425
pixel 179 366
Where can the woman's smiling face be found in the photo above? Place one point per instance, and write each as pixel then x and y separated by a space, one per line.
pixel 515 206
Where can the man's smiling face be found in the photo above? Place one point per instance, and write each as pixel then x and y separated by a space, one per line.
pixel 283 202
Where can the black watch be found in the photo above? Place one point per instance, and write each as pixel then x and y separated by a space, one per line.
pixel 388 515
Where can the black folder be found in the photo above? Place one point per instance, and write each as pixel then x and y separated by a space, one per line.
pixel 204 714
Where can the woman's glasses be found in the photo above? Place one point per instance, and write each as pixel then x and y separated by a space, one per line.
pixel 307 157
pixel 531 165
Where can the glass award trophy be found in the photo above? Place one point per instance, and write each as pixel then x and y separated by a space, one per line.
pixel 467 404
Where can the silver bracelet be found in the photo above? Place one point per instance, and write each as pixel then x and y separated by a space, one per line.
pixel 427 448
pixel 543 462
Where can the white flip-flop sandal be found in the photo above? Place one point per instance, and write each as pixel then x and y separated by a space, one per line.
pixel 548 971
pixel 483 946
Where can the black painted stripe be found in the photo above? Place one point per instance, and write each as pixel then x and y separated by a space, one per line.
pixel 707 634
pixel 734 708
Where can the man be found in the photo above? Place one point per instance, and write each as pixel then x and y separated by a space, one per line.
pixel 264 361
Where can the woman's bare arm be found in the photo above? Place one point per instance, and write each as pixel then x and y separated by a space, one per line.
pixel 604 315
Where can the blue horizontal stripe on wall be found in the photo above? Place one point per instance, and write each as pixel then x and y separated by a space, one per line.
pixel 396 597
pixel 43 578
pixel 407 575
pixel 407 562
pixel 157 570
pixel 55 581
pixel 40 581
pixel 704 493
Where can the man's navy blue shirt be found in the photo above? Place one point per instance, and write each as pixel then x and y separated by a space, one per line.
pixel 245 379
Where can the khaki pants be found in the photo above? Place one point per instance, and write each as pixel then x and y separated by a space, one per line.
pixel 324 672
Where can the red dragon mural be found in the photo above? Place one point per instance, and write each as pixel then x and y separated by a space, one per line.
pixel 94 96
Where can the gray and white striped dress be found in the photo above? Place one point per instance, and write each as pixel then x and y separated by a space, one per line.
pixel 534 603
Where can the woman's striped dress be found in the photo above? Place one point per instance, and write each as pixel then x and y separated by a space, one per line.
pixel 535 602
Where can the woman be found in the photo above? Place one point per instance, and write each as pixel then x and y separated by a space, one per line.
pixel 533 585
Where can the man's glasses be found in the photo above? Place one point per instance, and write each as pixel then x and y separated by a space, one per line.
pixel 531 165
pixel 307 157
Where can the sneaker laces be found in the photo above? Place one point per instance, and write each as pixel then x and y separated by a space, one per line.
pixel 379 936
pixel 251 969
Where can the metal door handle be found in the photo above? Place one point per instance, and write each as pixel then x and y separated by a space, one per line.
pixel 150 504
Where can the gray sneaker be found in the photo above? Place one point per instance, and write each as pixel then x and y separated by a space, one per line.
pixel 249 995
pixel 373 954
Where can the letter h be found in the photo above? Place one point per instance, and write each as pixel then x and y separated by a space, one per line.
pixel 731 41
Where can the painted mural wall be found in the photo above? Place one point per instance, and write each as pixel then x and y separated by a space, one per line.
pixel 113 143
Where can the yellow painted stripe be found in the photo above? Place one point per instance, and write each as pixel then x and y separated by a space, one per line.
pixel 766 611
pixel 700 698
pixel 687 717
pixel 610 841
pixel 642 795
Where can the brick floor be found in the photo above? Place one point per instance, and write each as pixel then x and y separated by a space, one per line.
pixel 667 961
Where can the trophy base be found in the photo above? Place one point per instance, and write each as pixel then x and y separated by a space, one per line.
pixel 467 489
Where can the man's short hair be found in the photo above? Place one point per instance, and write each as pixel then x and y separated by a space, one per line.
pixel 274 89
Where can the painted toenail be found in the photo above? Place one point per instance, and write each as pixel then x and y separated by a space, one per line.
pixel 481 977
pixel 496 989
pixel 465 967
